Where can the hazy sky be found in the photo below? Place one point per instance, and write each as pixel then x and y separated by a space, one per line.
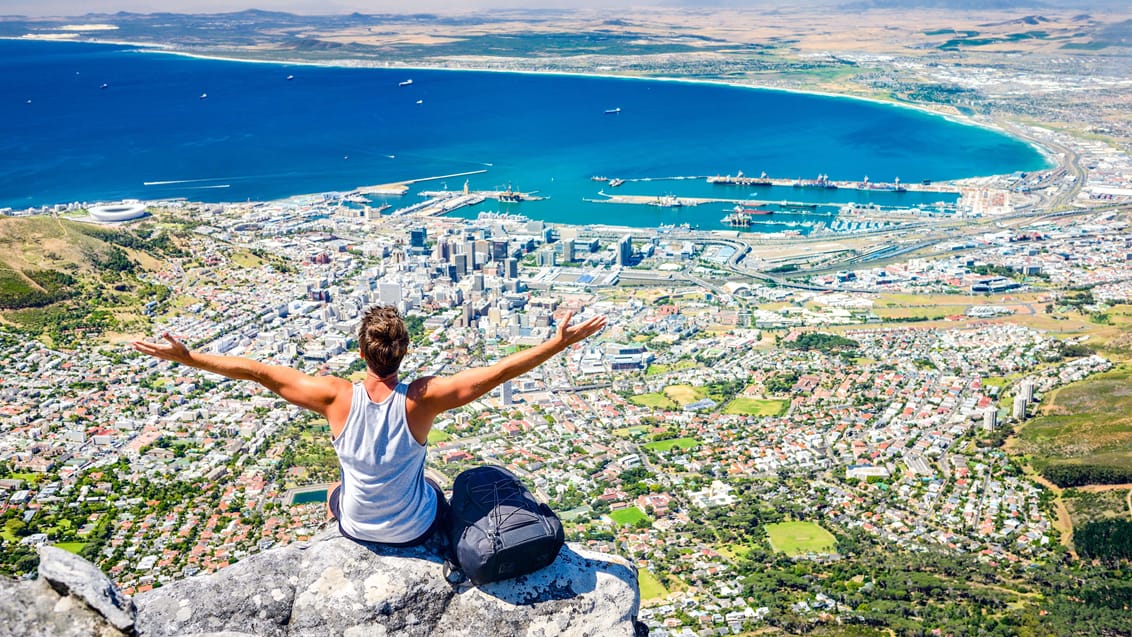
pixel 81 7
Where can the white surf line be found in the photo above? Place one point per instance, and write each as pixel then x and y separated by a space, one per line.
pixel 181 181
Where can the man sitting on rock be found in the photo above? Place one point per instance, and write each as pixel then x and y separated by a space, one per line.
pixel 380 426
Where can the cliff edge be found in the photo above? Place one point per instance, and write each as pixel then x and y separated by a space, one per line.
pixel 329 586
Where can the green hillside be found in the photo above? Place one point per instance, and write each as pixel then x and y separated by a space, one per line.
pixel 61 280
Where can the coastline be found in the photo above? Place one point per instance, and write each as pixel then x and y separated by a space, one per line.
pixel 1047 157
pixel 364 64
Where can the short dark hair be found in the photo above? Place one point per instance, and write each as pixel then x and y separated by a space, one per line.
pixel 383 339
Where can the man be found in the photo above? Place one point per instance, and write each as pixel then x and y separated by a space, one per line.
pixel 380 426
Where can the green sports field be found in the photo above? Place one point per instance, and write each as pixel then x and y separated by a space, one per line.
pixel 629 516
pixel 650 586
pixel 668 445
pixel 756 407
pixel 799 538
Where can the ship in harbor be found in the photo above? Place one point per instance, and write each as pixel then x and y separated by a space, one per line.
pixel 737 218
pixel 615 182
pixel 613 111
pixel 796 205
pixel 895 186
pixel 740 217
pixel 667 201
pixel 510 196
pixel 408 82
pixel 514 196
pixel 740 180
pixel 823 181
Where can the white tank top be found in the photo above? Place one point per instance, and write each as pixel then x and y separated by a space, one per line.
pixel 384 496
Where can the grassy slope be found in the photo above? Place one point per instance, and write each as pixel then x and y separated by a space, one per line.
pixel 42 244
pixel 1088 422
pixel 47 243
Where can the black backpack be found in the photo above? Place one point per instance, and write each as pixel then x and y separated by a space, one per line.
pixel 498 529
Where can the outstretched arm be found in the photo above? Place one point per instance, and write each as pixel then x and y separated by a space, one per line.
pixel 317 393
pixel 433 395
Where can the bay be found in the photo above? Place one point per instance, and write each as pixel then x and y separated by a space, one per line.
pixel 97 122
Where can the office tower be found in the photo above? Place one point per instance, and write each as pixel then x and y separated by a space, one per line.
pixel 499 249
pixel 624 250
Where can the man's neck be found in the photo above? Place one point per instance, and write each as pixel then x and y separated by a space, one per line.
pixel 379 387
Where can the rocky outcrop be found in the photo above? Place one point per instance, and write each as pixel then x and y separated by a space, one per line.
pixel 331 586
pixel 70 598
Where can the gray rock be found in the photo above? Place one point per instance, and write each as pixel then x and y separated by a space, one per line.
pixel 345 585
pixel 329 586
pixel 253 596
pixel 582 594
pixel 70 574
pixel 36 609
pixel 335 586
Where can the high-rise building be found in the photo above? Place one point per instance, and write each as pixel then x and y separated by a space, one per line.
pixel 470 250
pixel 461 263
pixel 624 250
pixel 477 282
pixel 545 258
pixel 499 249
pixel 990 419
pixel 511 269
pixel 418 237
pixel 1019 412
pixel 443 250
pixel 505 391
pixel 1026 390
pixel 568 251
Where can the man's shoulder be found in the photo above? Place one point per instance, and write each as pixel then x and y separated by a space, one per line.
pixel 338 386
pixel 418 387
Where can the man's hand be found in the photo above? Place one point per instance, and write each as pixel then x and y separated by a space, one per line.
pixel 570 334
pixel 171 351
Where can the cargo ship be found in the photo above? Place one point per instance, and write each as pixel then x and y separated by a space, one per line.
pixel 667 201
pixel 822 181
pixel 796 205
pixel 740 180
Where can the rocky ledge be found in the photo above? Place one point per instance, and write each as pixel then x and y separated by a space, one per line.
pixel 329 586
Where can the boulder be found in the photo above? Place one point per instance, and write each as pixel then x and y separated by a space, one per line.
pixel 70 574
pixel 335 586
pixel 329 586
pixel 71 598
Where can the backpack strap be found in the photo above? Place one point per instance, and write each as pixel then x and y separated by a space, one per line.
pixel 451 567
pixel 455 577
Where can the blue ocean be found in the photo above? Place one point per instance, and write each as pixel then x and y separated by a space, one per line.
pixel 96 122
